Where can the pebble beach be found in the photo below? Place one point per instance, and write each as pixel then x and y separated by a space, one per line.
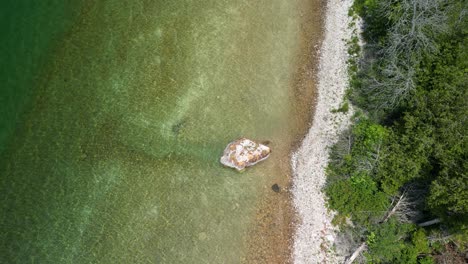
pixel 314 235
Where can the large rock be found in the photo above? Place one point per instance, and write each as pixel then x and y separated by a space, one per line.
pixel 243 153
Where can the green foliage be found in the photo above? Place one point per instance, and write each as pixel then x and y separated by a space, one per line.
pixel 446 102
pixel 344 108
pixel 359 198
pixel 354 51
pixel 368 136
pixel 389 243
pixel 357 195
pixel 426 139
pixel 353 46
pixel 370 11
pixel 426 260
pixel 405 160
pixel 413 134
pixel 357 151
pixel 420 242
pixel 392 242
pixel 370 241
pixel 449 194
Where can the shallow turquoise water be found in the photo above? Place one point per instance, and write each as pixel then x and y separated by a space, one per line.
pixel 126 108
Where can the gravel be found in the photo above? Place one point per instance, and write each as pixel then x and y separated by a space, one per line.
pixel 315 234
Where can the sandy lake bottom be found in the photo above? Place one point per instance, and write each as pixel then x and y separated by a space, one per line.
pixel 116 115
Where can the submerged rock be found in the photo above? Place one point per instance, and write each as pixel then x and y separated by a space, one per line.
pixel 243 153
pixel 275 187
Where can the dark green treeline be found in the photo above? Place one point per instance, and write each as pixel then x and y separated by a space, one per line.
pixel 400 172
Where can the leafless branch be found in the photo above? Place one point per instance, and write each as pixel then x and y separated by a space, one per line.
pixel 411 35
pixel 356 253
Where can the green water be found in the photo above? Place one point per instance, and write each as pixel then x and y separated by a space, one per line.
pixel 28 29
pixel 115 114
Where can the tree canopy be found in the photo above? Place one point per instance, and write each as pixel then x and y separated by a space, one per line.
pixel 405 158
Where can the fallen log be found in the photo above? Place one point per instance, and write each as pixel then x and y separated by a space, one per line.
pixel 356 253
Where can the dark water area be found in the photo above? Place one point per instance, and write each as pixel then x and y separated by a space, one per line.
pixel 113 118
pixel 29 31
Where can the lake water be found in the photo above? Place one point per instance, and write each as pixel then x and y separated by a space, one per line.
pixel 114 115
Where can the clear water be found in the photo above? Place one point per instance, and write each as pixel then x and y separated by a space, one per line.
pixel 115 118
pixel 28 29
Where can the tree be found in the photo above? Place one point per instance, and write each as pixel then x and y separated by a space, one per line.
pixel 414 25
pixel 401 171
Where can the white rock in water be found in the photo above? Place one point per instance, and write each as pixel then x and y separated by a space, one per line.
pixel 243 153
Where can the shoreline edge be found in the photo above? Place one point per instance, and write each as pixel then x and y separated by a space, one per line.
pixel 315 235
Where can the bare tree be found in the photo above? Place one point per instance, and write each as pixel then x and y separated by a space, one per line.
pixel 356 253
pixel 406 206
pixel 413 31
pixel 370 161
pixel 412 34
pixel 349 239
pixel 403 207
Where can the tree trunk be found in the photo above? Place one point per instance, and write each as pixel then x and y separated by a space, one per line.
pixel 356 253
pixel 394 209
pixel 431 222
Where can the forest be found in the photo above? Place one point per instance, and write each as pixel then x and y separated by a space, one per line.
pixel 398 177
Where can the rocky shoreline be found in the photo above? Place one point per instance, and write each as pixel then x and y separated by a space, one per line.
pixel 315 235
pixel 270 238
